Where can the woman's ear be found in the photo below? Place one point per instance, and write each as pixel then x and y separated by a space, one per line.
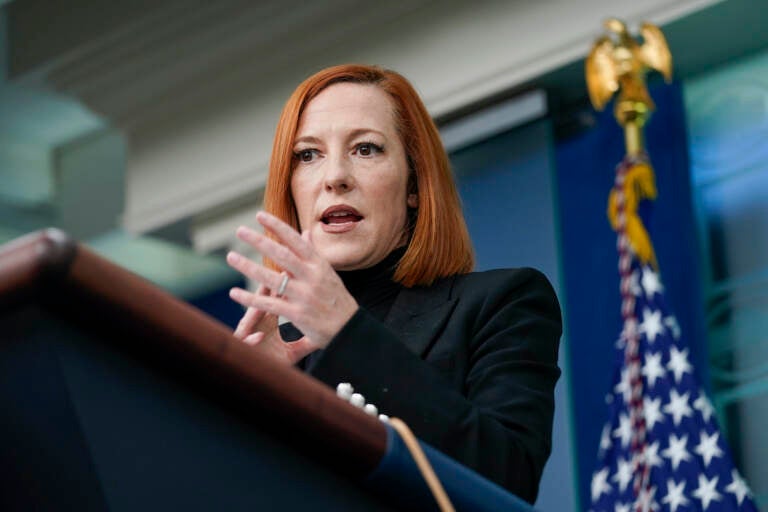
pixel 413 201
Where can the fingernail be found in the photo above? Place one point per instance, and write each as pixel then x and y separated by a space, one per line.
pixel 233 257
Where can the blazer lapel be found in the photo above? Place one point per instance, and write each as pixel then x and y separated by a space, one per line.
pixel 419 315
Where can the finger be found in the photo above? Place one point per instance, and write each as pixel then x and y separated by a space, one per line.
pixel 271 305
pixel 254 271
pixel 246 324
pixel 278 252
pixel 254 338
pixel 251 317
pixel 286 234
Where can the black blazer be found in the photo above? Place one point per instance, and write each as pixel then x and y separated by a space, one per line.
pixel 469 363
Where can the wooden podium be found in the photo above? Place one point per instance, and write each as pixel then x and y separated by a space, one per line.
pixel 114 395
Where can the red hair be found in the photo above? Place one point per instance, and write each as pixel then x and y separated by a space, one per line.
pixel 439 244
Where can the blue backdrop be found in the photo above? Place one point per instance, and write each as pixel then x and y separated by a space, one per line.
pixel 506 186
pixel 585 174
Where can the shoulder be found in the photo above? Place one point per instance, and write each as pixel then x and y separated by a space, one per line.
pixel 502 282
pixel 481 295
pixel 508 293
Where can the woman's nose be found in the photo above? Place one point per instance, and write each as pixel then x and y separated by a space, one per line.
pixel 338 176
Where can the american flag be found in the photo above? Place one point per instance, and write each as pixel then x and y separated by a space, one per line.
pixel 662 449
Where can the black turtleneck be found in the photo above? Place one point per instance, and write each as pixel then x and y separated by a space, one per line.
pixel 373 288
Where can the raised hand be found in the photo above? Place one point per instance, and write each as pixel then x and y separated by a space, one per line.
pixel 312 295
pixel 258 327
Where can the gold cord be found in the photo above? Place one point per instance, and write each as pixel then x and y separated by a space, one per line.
pixel 423 464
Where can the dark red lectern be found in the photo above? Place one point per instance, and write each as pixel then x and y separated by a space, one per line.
pixel 114 395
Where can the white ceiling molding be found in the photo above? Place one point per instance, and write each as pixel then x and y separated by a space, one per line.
pixel 164 59
pixel 169 57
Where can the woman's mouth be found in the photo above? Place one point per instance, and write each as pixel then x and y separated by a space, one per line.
pixel 340 218
pixel 339 214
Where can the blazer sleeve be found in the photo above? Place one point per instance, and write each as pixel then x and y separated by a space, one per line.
pixel 500 422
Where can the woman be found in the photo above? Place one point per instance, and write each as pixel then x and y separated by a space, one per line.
pixel 369 259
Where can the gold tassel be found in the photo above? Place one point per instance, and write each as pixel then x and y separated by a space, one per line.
pixel 639 184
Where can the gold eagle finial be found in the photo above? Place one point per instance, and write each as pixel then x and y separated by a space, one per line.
pixel 617 61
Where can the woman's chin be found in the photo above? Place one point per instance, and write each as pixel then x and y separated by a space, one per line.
pixel 353 261
pixel 345 264
pixel 341 256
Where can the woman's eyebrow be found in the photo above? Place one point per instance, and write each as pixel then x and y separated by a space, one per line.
pixel 365 131
pixel 311 139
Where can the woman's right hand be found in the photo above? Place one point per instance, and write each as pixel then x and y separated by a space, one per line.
pixel 257 327
pixel 311 295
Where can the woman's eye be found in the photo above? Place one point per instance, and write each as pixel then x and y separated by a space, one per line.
pixel 368 149
pixel 305 155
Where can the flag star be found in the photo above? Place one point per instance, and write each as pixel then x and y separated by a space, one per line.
pixel 624 432
pixel 645 501
pixel 678 406
pixel 651 325
pixel 651 410
pixel 707 492
pixel 651 282
pixel 708 447
pixel 600 485
pixel 738 487
pixel 605 438
pixel 675 496
pixel 623 474
pixel 704 406
pixel 676 452
pixel 678 362
pixel 622 507
pixel 653 369
pixel 651 455
pixel 624 387
pixel 673 326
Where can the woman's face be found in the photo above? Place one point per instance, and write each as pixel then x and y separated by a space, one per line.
pixel 350 176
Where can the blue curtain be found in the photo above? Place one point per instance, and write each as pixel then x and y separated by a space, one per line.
pixel 585 173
